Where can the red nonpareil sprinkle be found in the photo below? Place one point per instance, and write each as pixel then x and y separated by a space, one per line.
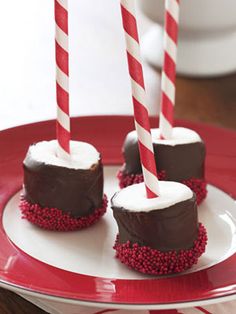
pixel 57 220
pixel 198 186
pixel 151 261
pixel 129 179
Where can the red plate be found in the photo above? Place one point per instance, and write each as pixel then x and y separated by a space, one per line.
pixel 20 271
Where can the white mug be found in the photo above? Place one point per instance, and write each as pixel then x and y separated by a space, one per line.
pixel 207 36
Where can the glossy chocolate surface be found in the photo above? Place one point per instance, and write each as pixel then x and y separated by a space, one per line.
pixel 171 228
pixel 76 191
pixel 180 162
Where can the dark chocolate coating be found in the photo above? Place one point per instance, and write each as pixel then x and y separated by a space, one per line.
pixel 180 162
pixel 171 228
pixel 76 191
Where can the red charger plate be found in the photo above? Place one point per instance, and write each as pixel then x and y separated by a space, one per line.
pixel 22 273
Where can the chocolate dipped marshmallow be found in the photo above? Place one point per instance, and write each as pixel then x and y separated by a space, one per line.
pixel 180 159
pixel 62 194
pixel 160 235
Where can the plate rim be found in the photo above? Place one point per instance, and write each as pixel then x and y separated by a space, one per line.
pixel 119 306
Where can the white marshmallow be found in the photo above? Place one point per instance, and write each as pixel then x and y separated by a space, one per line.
pixel 179 136
pixel 82 155
pixel 134 198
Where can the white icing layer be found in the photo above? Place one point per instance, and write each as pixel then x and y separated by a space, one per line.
pixel 82 156
pixel 179 136
pixel 134 197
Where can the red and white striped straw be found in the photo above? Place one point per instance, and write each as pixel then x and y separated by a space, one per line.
pixel 139 98
pixel 62 78
pixel 169 68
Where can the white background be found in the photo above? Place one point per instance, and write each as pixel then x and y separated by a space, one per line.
pixel 98 71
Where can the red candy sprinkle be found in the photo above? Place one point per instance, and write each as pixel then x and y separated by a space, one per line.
pixel 129 179
pixel 198 186
pixel 57 220
pixel 150 261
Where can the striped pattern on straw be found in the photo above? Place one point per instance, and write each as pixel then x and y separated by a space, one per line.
pixel 139 98
pixel 169 68
pixel 62 78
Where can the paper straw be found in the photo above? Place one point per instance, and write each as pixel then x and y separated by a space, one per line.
pixel 139 99
pixel 169 68
pixel 62 78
